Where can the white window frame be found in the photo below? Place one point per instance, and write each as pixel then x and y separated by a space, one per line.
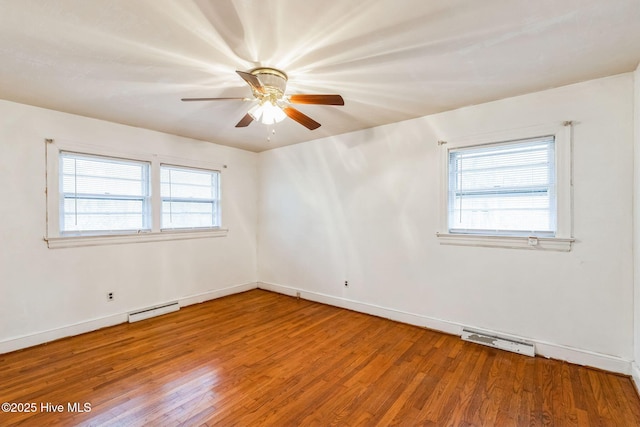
pixel 215 201
pixel 563 239
pixel 55 239
pixel 145 198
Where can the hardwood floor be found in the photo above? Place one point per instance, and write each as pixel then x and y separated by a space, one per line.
pixel 260 358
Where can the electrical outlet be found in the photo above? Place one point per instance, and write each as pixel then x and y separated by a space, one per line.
pixel 346 283
pixel 110 296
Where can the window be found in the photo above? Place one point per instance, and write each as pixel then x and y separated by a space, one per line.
pixel 100 194
pixel 503 189
pixel 189 197
pixel 509 189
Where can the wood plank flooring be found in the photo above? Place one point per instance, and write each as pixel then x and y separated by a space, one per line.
pixel 260 358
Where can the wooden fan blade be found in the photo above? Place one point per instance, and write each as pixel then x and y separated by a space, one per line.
pixel 252 80
pixel 245 121
pixel 301 118
pixel 316 99
pixel 214 99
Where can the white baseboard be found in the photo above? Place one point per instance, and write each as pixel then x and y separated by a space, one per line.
pixel 583 357
pixel 31 340
pixel 375 310
pixel 545 349
pixel 215 294
pixel 635 375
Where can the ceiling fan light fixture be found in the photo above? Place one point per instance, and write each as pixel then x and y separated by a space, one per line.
pixel 268 86
pixel 267 113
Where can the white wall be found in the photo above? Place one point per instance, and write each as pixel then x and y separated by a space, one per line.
pixel 47 293
pixel 363 207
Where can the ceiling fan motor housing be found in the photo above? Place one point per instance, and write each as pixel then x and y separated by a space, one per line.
pixel 273 81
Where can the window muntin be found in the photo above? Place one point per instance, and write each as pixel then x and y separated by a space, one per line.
pixel 101 195
pixel 190 197
pixel 503 189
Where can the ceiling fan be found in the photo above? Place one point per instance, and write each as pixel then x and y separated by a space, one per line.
pixel 268 86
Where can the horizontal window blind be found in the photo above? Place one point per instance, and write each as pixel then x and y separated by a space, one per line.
pixel 503 189
pixel 190 197
pixel 101 194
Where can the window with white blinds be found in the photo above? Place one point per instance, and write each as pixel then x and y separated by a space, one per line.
pixel 190 197
pixel 103 195
pixel 503 189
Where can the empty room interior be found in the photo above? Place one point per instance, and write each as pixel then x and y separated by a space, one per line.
pixel 243 212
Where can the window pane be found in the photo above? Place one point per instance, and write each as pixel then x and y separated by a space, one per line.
pixel 103 194
pixel 190 197
pixel 187 191
pixel 103 214
pixel 504 188
pixel 102 176
pixel 188 214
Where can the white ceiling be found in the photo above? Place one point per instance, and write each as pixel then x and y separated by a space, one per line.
pixel 130 61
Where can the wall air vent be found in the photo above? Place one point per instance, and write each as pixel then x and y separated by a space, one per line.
pixel 516 346
pixel 153 311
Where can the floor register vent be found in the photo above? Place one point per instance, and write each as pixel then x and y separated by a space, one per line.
pixel 153 311
pixel 521 347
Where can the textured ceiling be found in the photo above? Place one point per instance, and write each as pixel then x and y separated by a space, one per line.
pixel 130 61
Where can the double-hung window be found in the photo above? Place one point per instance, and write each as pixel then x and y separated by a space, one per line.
pixel 509 189
pixel 190 197
pixel 101 195
pixel 503 189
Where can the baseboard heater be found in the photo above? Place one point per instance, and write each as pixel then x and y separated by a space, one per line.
pixel 153 311
pixel 521 347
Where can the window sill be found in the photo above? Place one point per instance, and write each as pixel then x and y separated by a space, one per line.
pixel 118 239
pixel 511 242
